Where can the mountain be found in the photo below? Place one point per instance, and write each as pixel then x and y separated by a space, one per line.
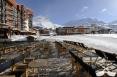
pixel 44 22
pixel 113 22
pixel 84 21
pixel 113 25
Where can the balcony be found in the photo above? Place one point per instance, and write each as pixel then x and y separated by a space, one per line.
pixel 3 25
pixel 15 28
pixel 13 2
pixel 9 19
pixel 9 13
pixel 9 8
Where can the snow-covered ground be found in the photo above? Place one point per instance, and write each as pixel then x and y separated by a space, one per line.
pixel 104 42
pixel 21 37
pixel 104 35
pixel 18 38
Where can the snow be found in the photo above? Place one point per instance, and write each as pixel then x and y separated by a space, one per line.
pixel 104 42
pixel 6 71
pixel 104 35
pixel 101 73
pixel 22 37
pixel 44 22
pixel 18 38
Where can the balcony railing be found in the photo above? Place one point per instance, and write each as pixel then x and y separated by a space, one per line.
pixel 3 25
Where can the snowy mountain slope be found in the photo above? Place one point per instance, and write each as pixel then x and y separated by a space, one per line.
pixel 113 22
pixel 84 21
pixel 44 22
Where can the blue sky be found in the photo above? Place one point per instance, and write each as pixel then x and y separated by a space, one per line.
pixel 62 11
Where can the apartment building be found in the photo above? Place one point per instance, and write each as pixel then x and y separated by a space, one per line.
pixel 11 13
pixel 7 17
pixel 93 29
pixel 2 11
pixel 72 30
pixel 14 18
pixel 18 22
pixel 28 19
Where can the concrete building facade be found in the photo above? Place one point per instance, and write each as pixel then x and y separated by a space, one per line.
pixel 93 29
pixel 14 18
pixel 72 30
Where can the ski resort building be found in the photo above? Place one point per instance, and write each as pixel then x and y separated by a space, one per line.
pixel 82 30
pixel 14 18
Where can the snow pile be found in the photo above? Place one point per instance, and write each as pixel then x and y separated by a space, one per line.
pixel 107 43
pixel 18 38
pixel 44 22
